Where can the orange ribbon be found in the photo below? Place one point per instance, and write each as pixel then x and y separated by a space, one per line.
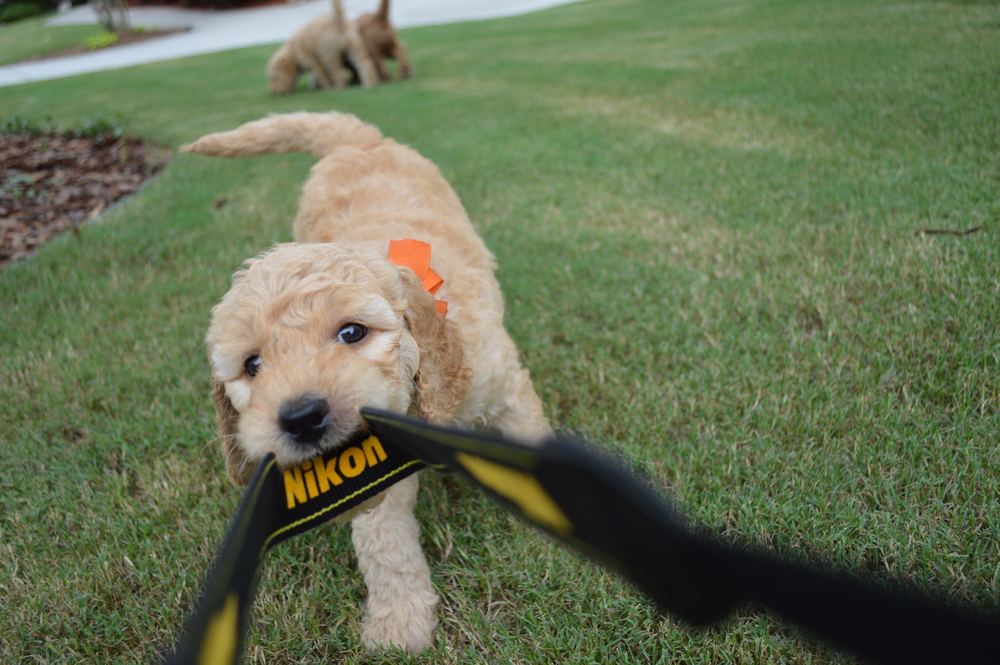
pixel 416 256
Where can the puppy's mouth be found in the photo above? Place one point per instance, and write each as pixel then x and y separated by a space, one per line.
pixel 311 426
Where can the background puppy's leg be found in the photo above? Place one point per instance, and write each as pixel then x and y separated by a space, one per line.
pixel 401 601
pixel 339 76
pixel 383 72
pixel 402 58
pixel 322 78
pixel 357 53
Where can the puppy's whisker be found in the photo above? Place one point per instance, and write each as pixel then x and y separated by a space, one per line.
pixel 219 439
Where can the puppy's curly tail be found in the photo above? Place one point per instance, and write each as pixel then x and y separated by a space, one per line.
pixel 316 133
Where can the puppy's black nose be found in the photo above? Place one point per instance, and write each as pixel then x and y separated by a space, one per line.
pixel 304 419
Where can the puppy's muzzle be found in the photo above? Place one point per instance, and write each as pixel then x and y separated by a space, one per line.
pixel 304 419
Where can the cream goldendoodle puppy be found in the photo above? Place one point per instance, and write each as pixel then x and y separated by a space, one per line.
pixel 312 331
pixel 322 46
pixel 382 42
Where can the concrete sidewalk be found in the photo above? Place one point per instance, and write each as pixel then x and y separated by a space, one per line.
pixel 213 31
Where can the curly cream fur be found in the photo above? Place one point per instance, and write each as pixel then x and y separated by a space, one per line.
pixel 287 305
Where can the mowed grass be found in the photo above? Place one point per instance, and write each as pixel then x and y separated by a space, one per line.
pixel 31 38
pixel 707 219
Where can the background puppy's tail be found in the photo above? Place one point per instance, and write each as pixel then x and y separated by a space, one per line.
pixel 315 133
pixel 383 11
pixel 339 19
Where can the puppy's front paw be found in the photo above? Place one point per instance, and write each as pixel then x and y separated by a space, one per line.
pixel 408 623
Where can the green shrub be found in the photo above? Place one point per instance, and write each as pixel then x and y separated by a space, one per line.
pixel 100 40
pixel 18 125
pixel 102 128
pixel 19 10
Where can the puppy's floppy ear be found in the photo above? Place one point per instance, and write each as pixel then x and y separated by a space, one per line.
pixel 442 379
pixel 226 418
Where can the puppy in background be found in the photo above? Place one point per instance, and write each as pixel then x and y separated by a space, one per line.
pixel 381 42
pixel 312 331
pixel 321 46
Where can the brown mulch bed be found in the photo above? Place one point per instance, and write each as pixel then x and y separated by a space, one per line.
pixel 52 183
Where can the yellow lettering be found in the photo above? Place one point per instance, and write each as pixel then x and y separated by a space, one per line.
pixel 310 480
pixel 352 462
pixel 326 473
pixel 294 487
pixel 374 451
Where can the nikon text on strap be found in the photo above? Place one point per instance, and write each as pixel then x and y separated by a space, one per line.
pixel 278 505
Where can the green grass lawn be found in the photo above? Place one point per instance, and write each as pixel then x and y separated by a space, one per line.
pixel 30 38
pixel 707 219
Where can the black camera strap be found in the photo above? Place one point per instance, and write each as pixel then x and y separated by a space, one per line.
pixel 592 505
pixel 595 507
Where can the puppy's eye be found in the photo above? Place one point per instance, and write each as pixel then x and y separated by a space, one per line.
pixel 352 333
pixel 252 365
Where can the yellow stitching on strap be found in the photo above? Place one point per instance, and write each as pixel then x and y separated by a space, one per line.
pixel 335 505
pixel 521 488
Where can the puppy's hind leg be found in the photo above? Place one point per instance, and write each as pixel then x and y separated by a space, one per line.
pixel 383 72
pixel 400 606
pixel 320 77
pixel 402 58
pixel 361 61
pixel 339 76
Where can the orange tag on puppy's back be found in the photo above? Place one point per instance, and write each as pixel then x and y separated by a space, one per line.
pixel 416 255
